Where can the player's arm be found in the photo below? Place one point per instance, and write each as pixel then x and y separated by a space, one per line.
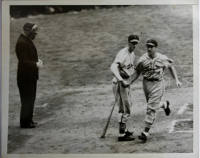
pixel 174 75
pixel 135 76
pixel 115 70
pixel 138 70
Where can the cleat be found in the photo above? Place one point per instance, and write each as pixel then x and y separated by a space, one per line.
pixel 127 133
pixel 167 110
pixel 142 137
pixel 126 138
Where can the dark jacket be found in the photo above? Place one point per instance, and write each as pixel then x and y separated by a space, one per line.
pixel 27 58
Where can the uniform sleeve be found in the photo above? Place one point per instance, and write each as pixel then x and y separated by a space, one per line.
pixel 166 61
pixel 120 58
pixel 21 51
pixel 139 64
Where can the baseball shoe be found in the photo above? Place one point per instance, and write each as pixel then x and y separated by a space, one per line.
pixel 167 109
pixel 128 133
pixel 142 137
pixel 126 137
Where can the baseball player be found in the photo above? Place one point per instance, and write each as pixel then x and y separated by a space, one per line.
pixel 123 68
pixel 152 65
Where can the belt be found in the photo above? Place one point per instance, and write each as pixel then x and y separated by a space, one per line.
pixel 151 79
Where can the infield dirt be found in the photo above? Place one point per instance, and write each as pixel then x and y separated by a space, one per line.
pixel 74 94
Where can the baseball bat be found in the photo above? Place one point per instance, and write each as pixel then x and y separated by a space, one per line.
pixel 106 127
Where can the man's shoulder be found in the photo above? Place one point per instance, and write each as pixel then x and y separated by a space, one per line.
pixel 162 56
pixel 21 38
pixel 144 56
pixel 122 52
pixel 142 59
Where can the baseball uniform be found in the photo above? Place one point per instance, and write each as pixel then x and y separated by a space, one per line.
pixel 125 60
pixel 153 83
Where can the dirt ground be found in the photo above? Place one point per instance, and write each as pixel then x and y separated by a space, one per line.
pixel 74 94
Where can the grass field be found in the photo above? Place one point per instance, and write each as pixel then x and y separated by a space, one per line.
pixel 74 94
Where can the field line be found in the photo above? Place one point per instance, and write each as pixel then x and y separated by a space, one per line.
pixel 173 123
pixel 172 126
pixel 183 132
pixel 182 109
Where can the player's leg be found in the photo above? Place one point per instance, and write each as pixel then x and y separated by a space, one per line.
pixel 125 104
pixel 164 104
pixel 121 121
pixel 126 100
pixel 153 92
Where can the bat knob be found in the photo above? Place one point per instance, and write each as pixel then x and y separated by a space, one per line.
pixel 102 136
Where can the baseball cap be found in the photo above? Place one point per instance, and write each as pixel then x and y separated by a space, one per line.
pixel 152 42
pixel 30 26
pixel 133 38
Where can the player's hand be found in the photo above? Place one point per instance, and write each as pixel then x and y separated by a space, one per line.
pixel 178 83
pixel 124 83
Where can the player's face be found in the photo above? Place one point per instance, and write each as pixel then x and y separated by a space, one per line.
pixel 133 45
pixel 151 50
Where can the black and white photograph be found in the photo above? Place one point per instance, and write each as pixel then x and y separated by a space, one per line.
pixel 98 78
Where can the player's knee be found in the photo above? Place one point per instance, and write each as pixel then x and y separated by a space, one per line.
pixel 150 111
pixel 122 117
pixel 149 119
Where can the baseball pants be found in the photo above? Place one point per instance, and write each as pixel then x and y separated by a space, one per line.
pixel 124 101
pixel 154 91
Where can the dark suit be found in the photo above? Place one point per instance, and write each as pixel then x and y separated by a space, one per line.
pixel 27 76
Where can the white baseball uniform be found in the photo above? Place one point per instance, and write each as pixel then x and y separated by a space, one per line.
pixel 125 60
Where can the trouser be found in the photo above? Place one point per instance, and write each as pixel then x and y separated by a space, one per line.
pixel 27 92
pixel 124 103
pixel 154 91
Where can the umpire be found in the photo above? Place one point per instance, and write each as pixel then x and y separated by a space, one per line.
pixel 27 73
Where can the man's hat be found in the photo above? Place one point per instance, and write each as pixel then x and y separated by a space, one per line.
pixel 133 38
pixel 152 42
pixel 30 26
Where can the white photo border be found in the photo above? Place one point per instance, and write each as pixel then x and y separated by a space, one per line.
pixel 5 74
